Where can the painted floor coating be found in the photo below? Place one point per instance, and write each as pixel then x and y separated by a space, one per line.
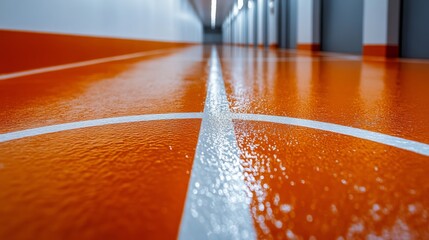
pixel 217 143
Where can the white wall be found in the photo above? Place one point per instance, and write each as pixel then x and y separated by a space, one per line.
pixel 236 29
pixel 381 22
pixel 164 20
pixel 240 27
pixel 240 21
pixel 305 23
pixel 229 27
pixel 250 20
pixel 237 24
pixel 375 21
pixel 309 21
pixel 225 31
pixel 272 23
pixel 260 22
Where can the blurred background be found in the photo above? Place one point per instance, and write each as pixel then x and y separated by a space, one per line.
pixel 98 28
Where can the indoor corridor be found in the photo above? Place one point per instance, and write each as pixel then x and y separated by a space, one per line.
pixel 214 119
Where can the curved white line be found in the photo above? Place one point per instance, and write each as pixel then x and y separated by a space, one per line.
pixel 405 144
pixel 397 142
pixel 94 123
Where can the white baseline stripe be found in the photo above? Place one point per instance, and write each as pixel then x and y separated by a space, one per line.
pixel 94 123
pixel 218 200
pixel 397 142
pixel 82 64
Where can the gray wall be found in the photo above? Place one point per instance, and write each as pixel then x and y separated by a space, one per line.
pixel 415 29
pixel 342 26
pixel 255 23
pixel 212 36
pixel 292 25
pixel 288 25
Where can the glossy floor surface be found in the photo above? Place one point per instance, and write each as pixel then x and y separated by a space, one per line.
pixel 230 142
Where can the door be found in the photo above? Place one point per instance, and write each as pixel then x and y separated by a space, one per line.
pixel 342 26
pixel 415 29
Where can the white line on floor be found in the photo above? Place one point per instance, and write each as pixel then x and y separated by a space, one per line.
pixel 405 144
pixel 218 200
pixel 82 64
pixel 397 142
pixel 94 123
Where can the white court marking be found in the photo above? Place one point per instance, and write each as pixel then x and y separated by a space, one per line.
pixel 95 123
pixel 218 200
pixel 401 143
pixel 83 63
pixel 385 139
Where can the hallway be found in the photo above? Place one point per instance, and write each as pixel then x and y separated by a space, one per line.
pixel 222 142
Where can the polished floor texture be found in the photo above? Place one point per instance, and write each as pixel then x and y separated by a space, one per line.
pixel 221 143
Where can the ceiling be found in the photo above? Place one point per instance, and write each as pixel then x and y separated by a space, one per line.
pixel 203 8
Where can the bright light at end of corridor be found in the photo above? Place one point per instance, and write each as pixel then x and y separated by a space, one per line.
pixel 214 5
pixel 235 10
pixel 240 4
pixel 250 4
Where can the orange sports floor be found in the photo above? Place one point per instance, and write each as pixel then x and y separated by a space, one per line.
pixel 128 177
